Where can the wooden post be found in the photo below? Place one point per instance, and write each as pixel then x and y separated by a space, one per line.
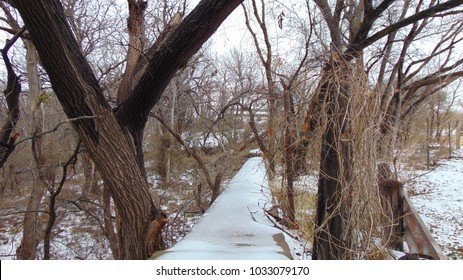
pixel 428 152
pixel 458 135
pixel 392 205
pixel 450 139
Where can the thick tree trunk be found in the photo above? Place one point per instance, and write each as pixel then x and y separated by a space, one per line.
pixel 114 139
pixel 332 240
pixel 95 123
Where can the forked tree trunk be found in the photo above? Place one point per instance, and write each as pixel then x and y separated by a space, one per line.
pixel 113 139
pixel 94 121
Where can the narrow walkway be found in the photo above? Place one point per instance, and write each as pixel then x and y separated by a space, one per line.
pixel 235 226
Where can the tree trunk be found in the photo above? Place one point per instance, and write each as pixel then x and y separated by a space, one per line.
pixel 12 91
pixel 458 135
pixel 30 228
pixel 114 140
pixel 136 30
pixel 172 124
pixel 332 239
pixel 89 187
pixel 31 225
pixel 289 161
pixel 265 54
pixel 109 225
pixel 95 123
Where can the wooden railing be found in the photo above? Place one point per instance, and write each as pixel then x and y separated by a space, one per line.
pixel 416 233
pixel 404 224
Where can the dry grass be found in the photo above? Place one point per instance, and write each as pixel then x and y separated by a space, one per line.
pixel 304 202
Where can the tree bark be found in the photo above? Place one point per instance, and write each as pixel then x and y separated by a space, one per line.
pixel 136 30
pixel 89 187
pixel 331 240
pixel 12 91
pixel 113 138
pixel 30 228
pixel 109 225
pixel 289 156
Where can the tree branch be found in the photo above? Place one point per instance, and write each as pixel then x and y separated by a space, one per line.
pixel 12 91
pixel 53 195
pixel 55 128
pixel 432 11
pixel 178 48
pixel 179 139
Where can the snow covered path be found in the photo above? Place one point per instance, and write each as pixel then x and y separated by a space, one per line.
pixel 235 226
pixel 438 198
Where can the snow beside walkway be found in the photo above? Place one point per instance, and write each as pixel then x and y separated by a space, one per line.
pixel 235 226
pixel 438 197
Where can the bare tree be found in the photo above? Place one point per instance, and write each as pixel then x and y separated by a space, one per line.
pixel 8 135
pixel 266 56
pixel 11 93
pixel 282 79
pixel 333 233
pixel 31 228
pixel 54 192
pixel 113 137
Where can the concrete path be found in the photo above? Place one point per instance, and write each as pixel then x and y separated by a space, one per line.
pixel 235 226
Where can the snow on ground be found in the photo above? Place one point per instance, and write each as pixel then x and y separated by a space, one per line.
pixel 438 197
pixel 74 237
pixel 236 226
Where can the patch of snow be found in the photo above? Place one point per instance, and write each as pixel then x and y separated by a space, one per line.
pixel 438 198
